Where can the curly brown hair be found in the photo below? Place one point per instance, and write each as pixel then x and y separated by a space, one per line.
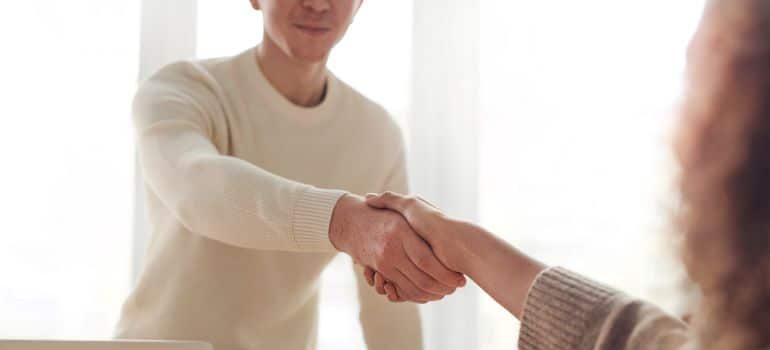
pixel 725 157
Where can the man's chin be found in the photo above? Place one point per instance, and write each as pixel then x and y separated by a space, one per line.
pixel 310 56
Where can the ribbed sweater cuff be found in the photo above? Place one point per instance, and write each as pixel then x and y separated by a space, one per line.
pixel 312 214
pixel 558 310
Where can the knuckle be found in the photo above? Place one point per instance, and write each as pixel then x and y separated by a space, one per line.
pixel 393 225
pixel 387 250
pixel 391 248
pixel 382 261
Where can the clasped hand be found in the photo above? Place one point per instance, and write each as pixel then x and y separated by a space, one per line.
pixel 401 244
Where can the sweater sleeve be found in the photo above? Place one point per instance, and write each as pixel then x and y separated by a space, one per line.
pixel 218 196
pixel 567 311
pixel 388 325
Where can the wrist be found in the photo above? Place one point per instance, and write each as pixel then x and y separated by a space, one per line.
pixel 340 220
pixel 483 250
pixel 471 242
pixel 500 269
pixel 460 243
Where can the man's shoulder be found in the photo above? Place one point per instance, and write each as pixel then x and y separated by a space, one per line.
pixel 191 72
pixel 196 82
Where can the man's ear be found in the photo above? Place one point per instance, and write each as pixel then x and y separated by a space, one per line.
pixel 255 4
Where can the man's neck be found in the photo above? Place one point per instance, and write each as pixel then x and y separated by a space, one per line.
pixel 303 84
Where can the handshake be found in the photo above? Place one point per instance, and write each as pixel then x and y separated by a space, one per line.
pixel 409 249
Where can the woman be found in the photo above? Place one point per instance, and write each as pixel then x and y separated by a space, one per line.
pixel 724 151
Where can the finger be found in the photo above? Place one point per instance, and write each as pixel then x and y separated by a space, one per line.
pixel 401 292
pixel 408 290
pixel 392 293
pixel 369 275
pixel 427 202
pixel 422 256
pixel 425 282
pixel 379 283
pixel 418 289
pixel 400 298
pixel 388 200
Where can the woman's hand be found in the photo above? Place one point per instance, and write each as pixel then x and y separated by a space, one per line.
pixel 505 273
pixel 444 234
pixel 441 232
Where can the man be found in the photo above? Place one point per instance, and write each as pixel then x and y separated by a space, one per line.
pixel 251 164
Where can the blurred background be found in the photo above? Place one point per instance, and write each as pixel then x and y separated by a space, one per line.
pixel 547 121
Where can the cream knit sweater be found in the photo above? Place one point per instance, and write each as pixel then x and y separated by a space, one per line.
pixel 241 185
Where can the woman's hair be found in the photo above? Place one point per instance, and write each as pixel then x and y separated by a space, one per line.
pixel 725 157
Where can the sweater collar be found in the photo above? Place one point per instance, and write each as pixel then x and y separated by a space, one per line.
pixel 258 85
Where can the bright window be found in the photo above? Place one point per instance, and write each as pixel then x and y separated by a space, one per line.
pixel 578 101
pixel 69 71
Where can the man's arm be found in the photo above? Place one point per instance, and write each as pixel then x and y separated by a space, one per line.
pixel 388 325
pixel 221 197
pixel 238 203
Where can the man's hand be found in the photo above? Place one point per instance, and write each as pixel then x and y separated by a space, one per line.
pixel 443 233
pixel 383 241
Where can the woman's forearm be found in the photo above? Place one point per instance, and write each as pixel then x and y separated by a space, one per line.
pixel 504 272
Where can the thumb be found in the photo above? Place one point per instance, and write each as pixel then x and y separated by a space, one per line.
pixel 375 201
pixel 388 200
pixel 369 275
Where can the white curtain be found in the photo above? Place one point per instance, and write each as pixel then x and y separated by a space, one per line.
pixel 443 129
pixel 168 29
pixel 68 69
